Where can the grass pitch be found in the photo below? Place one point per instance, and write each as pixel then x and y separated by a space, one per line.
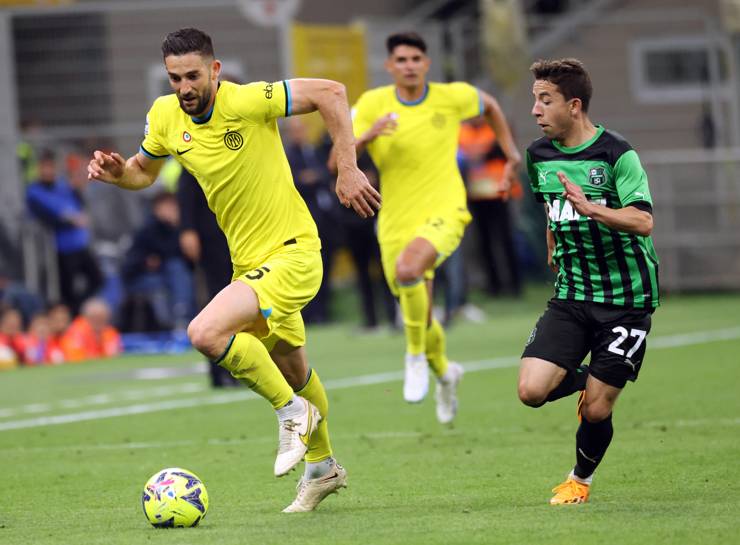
pixel 78 442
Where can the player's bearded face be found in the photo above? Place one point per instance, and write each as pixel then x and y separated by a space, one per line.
pixel 193 102
pixel 191 78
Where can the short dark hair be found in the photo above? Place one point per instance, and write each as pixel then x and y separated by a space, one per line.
pixel 569 75
pixel 187 40
pixel 405 38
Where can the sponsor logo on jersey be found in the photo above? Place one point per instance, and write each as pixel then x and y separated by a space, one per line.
pixel 186 136
pixel 562 210
pixel 233 140
pixel 146 127
pixel 268 91
pixel 438 120
pixel 596 176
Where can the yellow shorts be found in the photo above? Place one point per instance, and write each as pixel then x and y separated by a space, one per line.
pixel 287 280
pixel 444 233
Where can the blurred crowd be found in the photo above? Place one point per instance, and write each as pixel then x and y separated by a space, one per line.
pixel 147 264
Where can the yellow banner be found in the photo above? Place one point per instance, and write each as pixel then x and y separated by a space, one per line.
pixel 335 52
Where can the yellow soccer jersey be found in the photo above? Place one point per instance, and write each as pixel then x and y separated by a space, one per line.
pixel 237 156
pixel 419 176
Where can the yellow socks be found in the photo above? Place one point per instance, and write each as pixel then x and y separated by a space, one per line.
pixel 247 360
pixel 436 349
pixel 414 301
pixel 319 446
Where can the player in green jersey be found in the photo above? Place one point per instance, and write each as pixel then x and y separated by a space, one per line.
pixel 226 135
pixel 599 212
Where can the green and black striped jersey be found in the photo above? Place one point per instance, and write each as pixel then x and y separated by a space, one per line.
pixel 596 263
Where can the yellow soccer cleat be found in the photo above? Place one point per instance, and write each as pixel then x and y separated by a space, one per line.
pixel 571 491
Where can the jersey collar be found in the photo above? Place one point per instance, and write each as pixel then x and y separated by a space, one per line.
pixel 413 102
pixel 580 147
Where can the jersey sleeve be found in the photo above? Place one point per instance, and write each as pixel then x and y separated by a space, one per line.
pixel 362 116
pixel 467 98
pixel 631 180
pixel 262 101
pixel 534 179
pixel 153 145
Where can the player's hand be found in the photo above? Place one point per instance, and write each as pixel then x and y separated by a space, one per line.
pixel 575 195
pixel 509 177
pixel 382 127
pixel 106 168
pixel 550 263
pixel 190 245
pixel 354 190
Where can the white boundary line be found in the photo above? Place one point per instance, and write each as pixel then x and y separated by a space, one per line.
pixel 669 341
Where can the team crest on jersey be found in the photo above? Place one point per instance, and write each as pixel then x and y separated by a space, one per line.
pixel 233 140
pixel 596 176
pixel 186 136
pixel 438 120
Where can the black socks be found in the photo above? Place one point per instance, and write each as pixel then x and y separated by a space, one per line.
pixel 592 440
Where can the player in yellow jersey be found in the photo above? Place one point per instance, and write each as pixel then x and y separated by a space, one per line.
pixel 226 135
pixel 411 131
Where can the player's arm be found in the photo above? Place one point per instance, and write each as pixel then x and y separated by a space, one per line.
pixel 384 125
pixel 497 120
pixel 634 219
pixel 135 173
pixel 330 99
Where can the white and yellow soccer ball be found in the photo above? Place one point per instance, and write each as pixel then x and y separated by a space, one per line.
pixel 174 498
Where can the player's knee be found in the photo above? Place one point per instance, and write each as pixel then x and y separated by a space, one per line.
pixel 596 412
pixel 407 273
pixel 203 338
pixel 531 396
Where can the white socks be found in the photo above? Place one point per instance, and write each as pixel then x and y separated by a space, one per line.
pixel 314 470
pixel 293 409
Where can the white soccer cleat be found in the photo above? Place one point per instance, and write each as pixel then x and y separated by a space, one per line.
pixel 293 437
pixel 446 393
pixel 416 379
pixel 311 492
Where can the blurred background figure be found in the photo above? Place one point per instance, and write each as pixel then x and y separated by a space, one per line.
pixel 41 347
pixel 12 338
pixel 16 295
pixel 61 207
pixel 489 196
pixel 361 240
pixel 155 269
pixel 91 335
pixel 60 319
pixel 204 245
pixel 314 183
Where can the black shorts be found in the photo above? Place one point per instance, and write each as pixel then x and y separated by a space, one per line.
pixel 615 336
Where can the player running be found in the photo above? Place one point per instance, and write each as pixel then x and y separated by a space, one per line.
pixel 227 136
pixel 599 212
pixel 411 131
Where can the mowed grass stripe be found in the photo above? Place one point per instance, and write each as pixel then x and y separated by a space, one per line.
pixel 664 342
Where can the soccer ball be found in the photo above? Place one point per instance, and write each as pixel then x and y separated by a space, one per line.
pixel 174 498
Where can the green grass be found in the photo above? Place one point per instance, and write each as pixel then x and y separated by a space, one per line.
pixel 672 474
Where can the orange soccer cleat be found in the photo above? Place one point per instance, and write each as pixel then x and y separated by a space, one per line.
pixel 571 491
